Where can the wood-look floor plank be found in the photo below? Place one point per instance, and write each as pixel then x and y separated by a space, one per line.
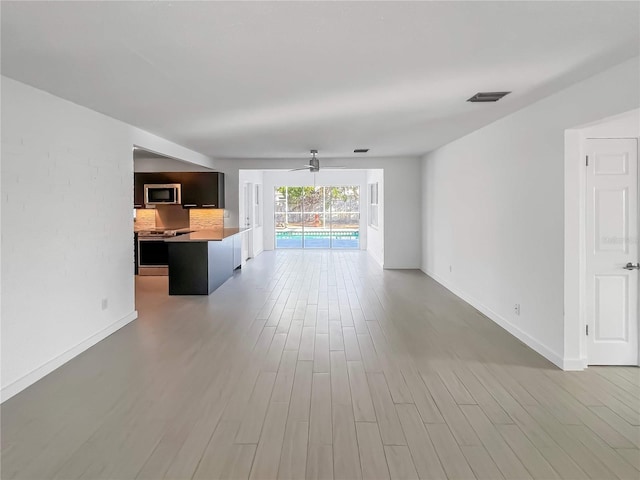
pixel 424 455
pixel 272 361
pixel 322 321
pixel 256 410
pixel 293 457
pixel 456 388
pixel 320 425
pixel 390 428
pixel 607 456
pixel 395 381
pixel 489 406
pixel 481 463
pixel 325 364
pixel 359 321
pixel 528 454
pixel 363 409
pixel 346 457
pixel 301 394
pixel 213 461
pixel 321 359
pixel 450 410
pixel 267 457
pixel 590 464
pixel 452 459
pixel 400 463
pixel 562 463
pixel 284 379
pixel 631 455
pixel 340 390
pixel 319 462
pixel 293 338
pixel 368 352
pixel 238 463
pixel 538 435
pixel 336 340
pixel 421 396
pixel 307 343
pixel 508 463
pixel 351 347
pixel 630 432
pixel 372 458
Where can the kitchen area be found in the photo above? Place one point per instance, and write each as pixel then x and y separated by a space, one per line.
pixel 179 230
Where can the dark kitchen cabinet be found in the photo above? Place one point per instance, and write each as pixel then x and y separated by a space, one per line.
pixel 202 189
pixel 139 179
pixel 199 189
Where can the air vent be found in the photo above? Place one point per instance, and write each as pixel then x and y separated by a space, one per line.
pixel 361 150
pixel 487 96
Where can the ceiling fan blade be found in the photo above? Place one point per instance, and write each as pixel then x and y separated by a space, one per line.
pixel 297 169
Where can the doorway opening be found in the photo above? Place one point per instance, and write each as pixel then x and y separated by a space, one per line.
pixel 326 217
pixel 601 238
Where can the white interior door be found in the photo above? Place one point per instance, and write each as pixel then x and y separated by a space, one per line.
pixel 247 238
pixel 612 251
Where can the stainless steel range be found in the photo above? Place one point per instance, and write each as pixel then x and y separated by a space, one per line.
pixel 153 255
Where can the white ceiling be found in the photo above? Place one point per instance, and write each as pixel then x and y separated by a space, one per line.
pixel 274 79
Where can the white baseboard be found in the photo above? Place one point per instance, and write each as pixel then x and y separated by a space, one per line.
pixel 574 364
pixel 376 258
pixel 524 337
pixel 43 370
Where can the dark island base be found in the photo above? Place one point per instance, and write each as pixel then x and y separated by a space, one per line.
pixel 198 268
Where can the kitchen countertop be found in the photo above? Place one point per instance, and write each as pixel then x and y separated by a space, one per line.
pixel 212 235
pixel 163 229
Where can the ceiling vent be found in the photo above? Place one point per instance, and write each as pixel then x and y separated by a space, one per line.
pixel 487 96
pixel 361 150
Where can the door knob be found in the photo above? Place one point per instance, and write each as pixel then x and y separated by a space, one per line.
pixel 631 266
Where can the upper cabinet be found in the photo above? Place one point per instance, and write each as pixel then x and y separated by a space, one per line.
pixel 202 190
pixel 199 189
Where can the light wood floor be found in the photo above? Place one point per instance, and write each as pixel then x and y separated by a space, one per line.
pixel 320 365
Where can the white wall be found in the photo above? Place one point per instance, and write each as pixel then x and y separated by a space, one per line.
pixel 402 206
pixel 493 208
pixel 67 242
pixel 375 235
pixel 151 165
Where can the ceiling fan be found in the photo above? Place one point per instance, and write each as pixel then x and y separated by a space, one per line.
pixel 314 164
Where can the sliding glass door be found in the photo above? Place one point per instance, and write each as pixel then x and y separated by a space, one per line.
pixel 317 217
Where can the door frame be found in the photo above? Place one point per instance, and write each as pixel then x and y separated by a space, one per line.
pixel 248 211
pixel 625 125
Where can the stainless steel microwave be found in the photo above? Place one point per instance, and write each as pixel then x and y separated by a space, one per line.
pixel 165 194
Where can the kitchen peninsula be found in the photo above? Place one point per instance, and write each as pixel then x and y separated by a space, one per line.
pixel 201 261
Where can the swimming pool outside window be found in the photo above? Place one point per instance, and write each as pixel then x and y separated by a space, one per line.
pixel 317 217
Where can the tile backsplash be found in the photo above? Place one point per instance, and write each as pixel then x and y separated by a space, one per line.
pixel 171 217
pixel 145 219
pixel 176 217
pixel 204 218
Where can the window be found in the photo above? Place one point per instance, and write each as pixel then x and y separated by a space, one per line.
pixel 373 204
pixel 317 217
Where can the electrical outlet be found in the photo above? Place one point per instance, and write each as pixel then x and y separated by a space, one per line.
pixel 516 308
pixel 105 303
